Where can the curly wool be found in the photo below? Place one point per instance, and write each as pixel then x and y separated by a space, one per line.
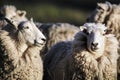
pixel 73 61
pixel 109 17
pixel 56 32
pixel 109 14
pixel 10 11
pixel 17 59
pixel 91 68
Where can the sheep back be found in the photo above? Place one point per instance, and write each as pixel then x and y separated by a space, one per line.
pixel 55 62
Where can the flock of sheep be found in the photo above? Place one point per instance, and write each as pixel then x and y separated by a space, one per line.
pixel 60 51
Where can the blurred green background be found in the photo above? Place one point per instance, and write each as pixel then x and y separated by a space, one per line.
pixel 52 11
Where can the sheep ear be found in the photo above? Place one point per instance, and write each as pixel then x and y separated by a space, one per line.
pixel 109 5
pixel 99 5
pixel 31 19
pixel 12 23
pixel 21 13
pixel 82 28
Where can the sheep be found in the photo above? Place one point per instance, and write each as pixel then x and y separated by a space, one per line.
pixel 56 32
pixel 10 12
pixel 20 44
pixel 110 15
pixel 92 55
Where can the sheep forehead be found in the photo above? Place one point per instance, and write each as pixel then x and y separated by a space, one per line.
pixel 23 24
pixel 8 8
pixel 27 23
pixel 8 11
pixel 103 6
pixel 95 27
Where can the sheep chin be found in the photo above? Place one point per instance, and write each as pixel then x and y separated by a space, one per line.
pixel 39 44
pixel 95 52
pixel 94 48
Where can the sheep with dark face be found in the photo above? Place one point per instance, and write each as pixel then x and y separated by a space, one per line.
pixel 20 44
pixel 110 15
pixel 92 55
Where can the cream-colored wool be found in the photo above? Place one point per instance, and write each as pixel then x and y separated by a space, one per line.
pixel 80 59
pixel 109 14
pixel 57 32
pixel 10 12
pixel 19 52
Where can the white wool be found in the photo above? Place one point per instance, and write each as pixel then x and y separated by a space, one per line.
pixel 109 14
pixel 75 61
pixel 19 51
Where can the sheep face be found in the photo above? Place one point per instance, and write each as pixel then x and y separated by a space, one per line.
pixel 95 34
pixel 8 11
pixel 20 16
pixel 31 34
pixel 103 10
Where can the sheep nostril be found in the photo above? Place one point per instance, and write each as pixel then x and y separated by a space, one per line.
pixel 94 44
pixel 43 39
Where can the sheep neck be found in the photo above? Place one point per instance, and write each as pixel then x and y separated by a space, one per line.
pixel 28 54
pixel 13 58
pixel 16 47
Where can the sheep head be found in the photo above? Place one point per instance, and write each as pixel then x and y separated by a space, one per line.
pixel 100 13
pixel 96 37
pixel 28 31
pixel 8 11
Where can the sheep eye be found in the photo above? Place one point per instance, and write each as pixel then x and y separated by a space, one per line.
pixel 107 31
pixel 99 7
pixel 26 27
pixel 85 31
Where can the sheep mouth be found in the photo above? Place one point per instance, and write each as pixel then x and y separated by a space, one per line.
pixel 94 48
pixel 39 44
